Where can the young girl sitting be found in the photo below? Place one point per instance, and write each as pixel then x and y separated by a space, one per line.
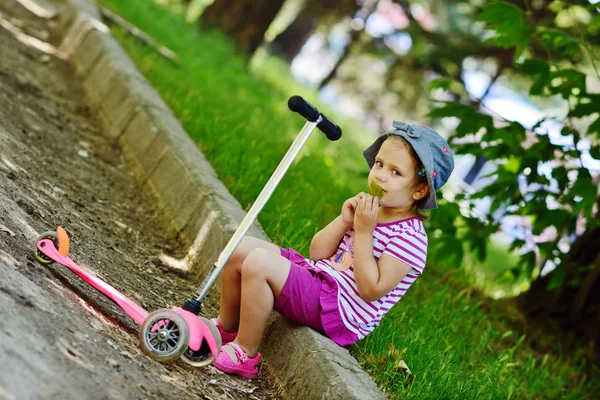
pixel 360 264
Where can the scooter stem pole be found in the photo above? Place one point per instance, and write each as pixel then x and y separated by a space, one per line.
pixel 261 200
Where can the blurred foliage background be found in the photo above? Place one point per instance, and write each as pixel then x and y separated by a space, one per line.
pixel 515 87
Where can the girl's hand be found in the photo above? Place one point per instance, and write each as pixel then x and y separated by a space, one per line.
pixel 365 216
pixel 349 208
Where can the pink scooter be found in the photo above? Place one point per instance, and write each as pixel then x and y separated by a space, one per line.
pixel 166 334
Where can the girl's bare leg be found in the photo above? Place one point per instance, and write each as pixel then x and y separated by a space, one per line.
pixel 231 280
pixel 263 277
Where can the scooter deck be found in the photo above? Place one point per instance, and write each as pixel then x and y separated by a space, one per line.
pixel 137 313
pixel 198 329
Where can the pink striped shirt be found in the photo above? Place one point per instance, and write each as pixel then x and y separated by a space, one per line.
pixel 405 240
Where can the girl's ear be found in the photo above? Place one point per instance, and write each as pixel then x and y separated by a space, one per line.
pixel 421 192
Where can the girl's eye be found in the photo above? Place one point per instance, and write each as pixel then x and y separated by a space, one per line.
pixel 396 173
pixel 379 164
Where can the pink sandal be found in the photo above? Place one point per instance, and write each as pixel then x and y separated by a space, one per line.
pixel 226 337
pixel 245 366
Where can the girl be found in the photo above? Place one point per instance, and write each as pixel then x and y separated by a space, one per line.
pixel 360 264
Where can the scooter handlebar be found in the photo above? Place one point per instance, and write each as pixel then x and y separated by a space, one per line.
pixel 304 108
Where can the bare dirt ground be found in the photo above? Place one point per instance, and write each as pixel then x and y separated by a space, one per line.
pixel 59 338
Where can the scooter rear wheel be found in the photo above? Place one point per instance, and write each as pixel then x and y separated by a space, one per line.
pixel 203 356
pixel 39 256
pixel 164 335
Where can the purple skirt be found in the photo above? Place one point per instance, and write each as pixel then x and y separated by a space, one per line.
pixel 310 297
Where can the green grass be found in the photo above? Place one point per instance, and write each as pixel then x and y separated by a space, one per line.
pixel 457 344
pixel 243 125
pixel 457 348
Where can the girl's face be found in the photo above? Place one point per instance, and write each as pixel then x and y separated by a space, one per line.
pixel 394 171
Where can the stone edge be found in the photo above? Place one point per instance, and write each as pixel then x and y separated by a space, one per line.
pixel 158 149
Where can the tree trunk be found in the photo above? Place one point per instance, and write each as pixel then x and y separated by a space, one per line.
pixel 575 305
pixel 333 73
pixel 288 43
pixel 367 8
pixel 244 20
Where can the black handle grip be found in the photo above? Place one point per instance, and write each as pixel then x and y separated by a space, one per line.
pixel 331 130
pixel 304 108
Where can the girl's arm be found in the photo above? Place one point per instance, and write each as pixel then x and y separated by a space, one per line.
pixel 373 279
pixel 327 240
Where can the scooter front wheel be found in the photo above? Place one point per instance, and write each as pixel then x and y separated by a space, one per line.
pixel 164 335
pixel 203 356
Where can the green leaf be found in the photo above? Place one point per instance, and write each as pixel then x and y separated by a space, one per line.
pixel 592 224
pixel 527 262
pixel 481 249
pixel 558 42
pixel 517 133
pixel 595 150
pixel 470 120
pixel 440 83
pixel 541 70
pixel 556 6
pixel 546 248
pixel 557 277
pixel 585 189
pixel 548 218
pixel 543 148
pixel 560 173
pixel 473 124
pixel 513 164
pixel 507 20
pixel 566 81
pixel 452 109
pixel 498 202
pixel 375 190
pixel 584 109
pixel 541 81
pixel 516 245
pixel 594 128
pixel 534 66
pixel 594 23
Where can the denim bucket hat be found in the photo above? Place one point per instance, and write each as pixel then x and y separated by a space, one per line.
pixel 433 150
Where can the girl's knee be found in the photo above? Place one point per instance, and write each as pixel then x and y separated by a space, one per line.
pixel 256 262
pixel 241 251
pixel 249 244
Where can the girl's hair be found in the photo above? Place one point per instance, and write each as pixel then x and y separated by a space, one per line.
pixel 419 179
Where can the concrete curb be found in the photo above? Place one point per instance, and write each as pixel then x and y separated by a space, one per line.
pixel 194 202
